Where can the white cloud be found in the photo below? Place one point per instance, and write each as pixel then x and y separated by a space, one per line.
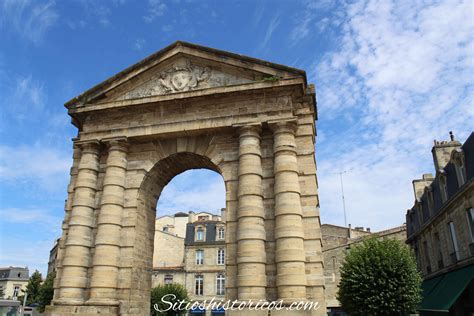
pixel 24 96
pixel 401 77
pixel 29 18
pixel 167 28
pixel 274 22
pixel 98 10
pixel 30 245
pixel 193 190
pixel 316 17
pixel 139 43
pixel 22 252
pixel 34 164
pixel 29 216
pixel 156 8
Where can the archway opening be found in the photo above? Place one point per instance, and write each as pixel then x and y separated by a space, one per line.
pixel 183 200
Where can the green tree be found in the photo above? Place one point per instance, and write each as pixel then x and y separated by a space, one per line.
pixel 33 288
pixel 159 291
pixel 379 277
pixel 46 292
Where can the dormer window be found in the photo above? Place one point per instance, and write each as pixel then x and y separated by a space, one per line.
pixel 221 233
pixel 443 188
pixel 460 170
pixel 199 233
pixel 430 201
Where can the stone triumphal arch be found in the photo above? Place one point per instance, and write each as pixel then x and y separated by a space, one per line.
pixel 188 107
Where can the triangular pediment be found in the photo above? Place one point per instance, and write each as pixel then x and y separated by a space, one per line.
pixel 183 74
pixel 183 67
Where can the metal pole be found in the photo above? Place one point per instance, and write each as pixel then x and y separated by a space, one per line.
pixel 343 200
pixel 24 303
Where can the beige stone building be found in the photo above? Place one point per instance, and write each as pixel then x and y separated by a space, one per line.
pixel 191 252
pixel 12 281
pixel 441 229
pixel 337 241
pixel 188 107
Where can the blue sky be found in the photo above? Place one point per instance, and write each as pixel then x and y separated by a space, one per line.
pixel 390 76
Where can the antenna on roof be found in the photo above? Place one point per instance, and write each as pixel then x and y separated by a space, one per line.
pixel 343 199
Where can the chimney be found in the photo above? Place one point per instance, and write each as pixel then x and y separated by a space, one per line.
pixel 223 214
pixel 368 229
pixel 420 184
pixel 349 232
pixel 191 217
pixel 442 151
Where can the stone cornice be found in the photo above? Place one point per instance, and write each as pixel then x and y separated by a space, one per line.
pixel 185 95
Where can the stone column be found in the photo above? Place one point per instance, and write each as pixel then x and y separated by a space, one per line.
pixel 251 256
pixel 289 233
pixel 78 244
pixel 105 264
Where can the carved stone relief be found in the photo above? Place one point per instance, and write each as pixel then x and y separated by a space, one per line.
pixel 183 76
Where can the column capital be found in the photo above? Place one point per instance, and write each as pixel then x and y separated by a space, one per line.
pixel 251 129
pixel 286 126
pixel 116 143
pixel 89 146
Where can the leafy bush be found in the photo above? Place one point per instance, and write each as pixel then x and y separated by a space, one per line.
pixel 380 277
pixel 161 290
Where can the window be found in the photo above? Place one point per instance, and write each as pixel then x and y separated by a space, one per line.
pixel 199 285
pixel 437 244
pixel 454 241
pixel 168 279
pixel 165 228
pixel 200 234
pixel 427 257
pixel 221 233
pixel 460 171
pixel 430 202
pixel 16 291
pixel 470 221
pixel 443 188
pixel 220 284
pixel 199 256
pixel 417 254
pixel 220 256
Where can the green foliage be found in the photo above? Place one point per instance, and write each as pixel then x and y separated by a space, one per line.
pixel 272 78
pixel 161 290
pixel 380 277
pixel 46 292
pixel 33 288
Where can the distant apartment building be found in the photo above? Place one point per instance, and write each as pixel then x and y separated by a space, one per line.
pixel 53 255
pixel 337 241
pixel 440 229
pixel 190 250
pixel 12 281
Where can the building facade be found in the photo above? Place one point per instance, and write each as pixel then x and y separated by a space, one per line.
pixel 53 255
pixel 337 241
pixel 440 229
pixel 12 281
pixel 196 260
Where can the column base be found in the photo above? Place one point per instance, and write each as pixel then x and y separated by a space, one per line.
pixel 102 302
pixel 283 312
pixel 74 310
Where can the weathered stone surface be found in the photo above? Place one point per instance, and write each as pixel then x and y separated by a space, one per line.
pixel 183 108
